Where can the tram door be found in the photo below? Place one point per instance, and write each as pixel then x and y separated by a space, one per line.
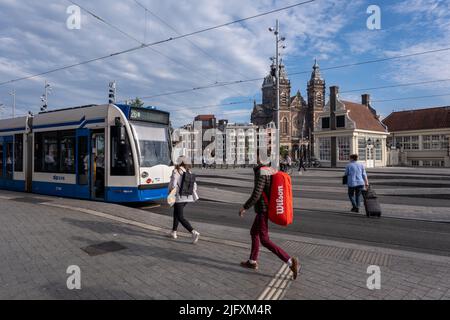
pixel 98 166
pixel 83 164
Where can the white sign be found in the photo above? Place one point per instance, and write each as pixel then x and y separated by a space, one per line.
pixel 74 20
pixel 74 280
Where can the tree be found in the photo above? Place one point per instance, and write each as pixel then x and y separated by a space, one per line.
pixel 284 151
pixel 137 103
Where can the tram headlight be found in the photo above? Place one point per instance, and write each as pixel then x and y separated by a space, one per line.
pixel 144 175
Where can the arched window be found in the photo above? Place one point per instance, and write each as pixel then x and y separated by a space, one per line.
pixel 295 126
pixel 285 126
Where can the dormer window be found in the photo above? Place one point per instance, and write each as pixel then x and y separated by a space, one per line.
pixel 326 123
pixel 340 121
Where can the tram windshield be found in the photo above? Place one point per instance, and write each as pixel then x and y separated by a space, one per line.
pixel 153 144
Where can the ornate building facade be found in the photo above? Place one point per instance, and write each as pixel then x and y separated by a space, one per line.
pixel 297 117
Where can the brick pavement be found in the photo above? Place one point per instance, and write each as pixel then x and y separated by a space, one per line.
pixel 38 242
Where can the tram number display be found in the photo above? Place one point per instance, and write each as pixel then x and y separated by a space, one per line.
pixel 147 115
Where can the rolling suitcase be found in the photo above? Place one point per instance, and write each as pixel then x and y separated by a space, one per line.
pixel 371 204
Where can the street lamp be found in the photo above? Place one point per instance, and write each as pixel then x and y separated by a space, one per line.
pixel 278 41
pixel 370 156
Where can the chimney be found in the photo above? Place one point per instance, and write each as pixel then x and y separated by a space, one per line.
pixel 366 99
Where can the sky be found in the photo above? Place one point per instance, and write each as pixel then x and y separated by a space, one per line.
pixel 34 38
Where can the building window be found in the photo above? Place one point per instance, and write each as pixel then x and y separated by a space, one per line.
pixel 408 142
pixel 340 122
pixel 18 153
pixel 436 163
pixel 325 149
pixel 285 126
pixel 378 150
pixel 344 148
pixel 325 123
pixel 295 127
pixel 55 152
pixel 362 149
pixel 415 163
pixel 415 143
pixel 435 142
pixel 445 143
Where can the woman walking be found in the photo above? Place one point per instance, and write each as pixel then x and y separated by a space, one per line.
pixel 183 181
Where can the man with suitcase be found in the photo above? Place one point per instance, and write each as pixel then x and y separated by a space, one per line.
pixel 356 180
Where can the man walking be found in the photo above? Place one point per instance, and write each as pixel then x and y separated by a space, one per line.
pixel 260 228
pixel 302 164
pixel 356 181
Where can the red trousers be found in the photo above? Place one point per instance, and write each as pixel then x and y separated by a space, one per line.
pixel 260 234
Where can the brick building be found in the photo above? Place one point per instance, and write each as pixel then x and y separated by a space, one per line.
pixel 420 138
pixel 297 116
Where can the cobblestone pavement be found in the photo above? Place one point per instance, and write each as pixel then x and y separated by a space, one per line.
pixel 408 194
pixel 40 237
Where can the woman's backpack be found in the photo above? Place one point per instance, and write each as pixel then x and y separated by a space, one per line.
pixel 187 184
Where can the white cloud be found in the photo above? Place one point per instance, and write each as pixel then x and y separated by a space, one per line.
pixel 34 38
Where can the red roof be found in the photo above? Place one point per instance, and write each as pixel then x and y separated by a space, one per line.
pixel 363 117
pixel 421 119
pixel 205 117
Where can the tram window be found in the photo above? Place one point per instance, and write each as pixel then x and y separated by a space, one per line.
pixel 18 153
pixel 67 152
pixel 1 159
pixel 9 160
pixel 55 152
pixel 83 160
pixel 122 163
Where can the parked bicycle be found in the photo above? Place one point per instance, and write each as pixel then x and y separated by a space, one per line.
pixel 289 169
pixel 313 163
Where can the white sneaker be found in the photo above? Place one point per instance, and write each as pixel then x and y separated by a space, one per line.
pixel 173 235
pixel 195 236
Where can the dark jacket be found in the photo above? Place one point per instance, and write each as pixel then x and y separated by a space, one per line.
pixel 262 183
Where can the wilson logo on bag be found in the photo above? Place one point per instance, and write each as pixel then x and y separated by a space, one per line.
pixel 280 203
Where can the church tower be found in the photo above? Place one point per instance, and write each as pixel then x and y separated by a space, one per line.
pixel 269 89
pixel 316 99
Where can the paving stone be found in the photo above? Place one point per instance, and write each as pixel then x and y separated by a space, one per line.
pixel 38 243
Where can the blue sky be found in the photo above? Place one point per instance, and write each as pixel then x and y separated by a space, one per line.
pixel 34 38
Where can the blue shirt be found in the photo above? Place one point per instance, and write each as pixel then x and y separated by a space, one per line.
pixel 356 174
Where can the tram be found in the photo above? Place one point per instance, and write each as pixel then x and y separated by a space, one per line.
pixel 111 153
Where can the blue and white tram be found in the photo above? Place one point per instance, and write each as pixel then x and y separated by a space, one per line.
pixel 112 153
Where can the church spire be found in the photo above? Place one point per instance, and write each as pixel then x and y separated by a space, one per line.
pixel 316 71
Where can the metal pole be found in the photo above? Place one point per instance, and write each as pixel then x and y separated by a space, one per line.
pixel 46 94
pixel 277 59
pixel 14 103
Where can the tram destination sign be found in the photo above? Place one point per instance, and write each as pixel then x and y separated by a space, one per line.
pixel 148 115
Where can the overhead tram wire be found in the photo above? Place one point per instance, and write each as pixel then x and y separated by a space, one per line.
pixel 177 32
pixel 413 98
pixel 306 72
pixel 138 41
pixel 397 85
pixel 156 43
pixel 190 41
pixel 205 106
pixel 387 59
